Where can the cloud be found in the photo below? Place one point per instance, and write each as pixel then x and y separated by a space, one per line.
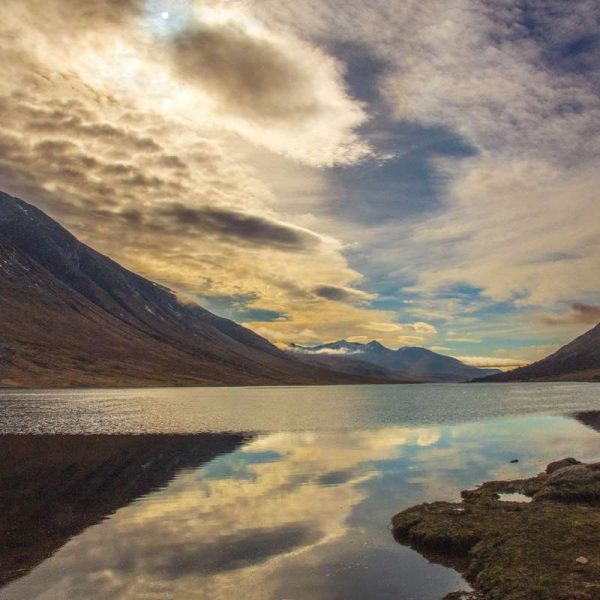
pixel 517 219
pixel 327 351
pixel 514 230
pixel 577 313
pixel 412 334
pixel 270 87
pixel 511 210
pixel 424 328
pixel 383 327
pixel 463 340
pixel 78 14
pixel 492 362
pixel 247 74
pixel 212 68
pixel 178 221
pixel 410 340
pixel 241 226
pixel 440 348
pixel 343 294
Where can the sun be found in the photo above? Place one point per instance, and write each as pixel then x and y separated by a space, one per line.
pixel 166 18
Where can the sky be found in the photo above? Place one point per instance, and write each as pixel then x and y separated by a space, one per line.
pixel 418 172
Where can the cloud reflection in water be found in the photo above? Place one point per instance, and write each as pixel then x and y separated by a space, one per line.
pixel 298 515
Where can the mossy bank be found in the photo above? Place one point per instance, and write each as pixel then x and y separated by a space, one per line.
pixel 529 539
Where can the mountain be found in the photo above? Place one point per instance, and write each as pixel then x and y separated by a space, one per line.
pixel 73 317
pixel 579 360
pixel 406 364
pixel 347 364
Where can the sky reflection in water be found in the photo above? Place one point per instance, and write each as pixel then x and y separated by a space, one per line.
pixel 300 514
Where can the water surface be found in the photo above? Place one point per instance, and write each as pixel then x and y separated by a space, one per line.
pixel 282 493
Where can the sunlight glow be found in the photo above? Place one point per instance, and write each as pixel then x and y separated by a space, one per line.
pixel 166 18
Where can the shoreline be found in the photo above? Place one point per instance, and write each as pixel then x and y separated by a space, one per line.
pixel 543 546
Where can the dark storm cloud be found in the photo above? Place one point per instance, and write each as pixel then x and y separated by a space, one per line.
pixel 246 228
pixel 248 75
pixel 579 312
pixel 342 294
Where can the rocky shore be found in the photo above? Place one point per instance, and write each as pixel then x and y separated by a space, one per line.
pixel 528 539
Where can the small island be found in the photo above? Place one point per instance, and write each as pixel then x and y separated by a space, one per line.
pixel 529 539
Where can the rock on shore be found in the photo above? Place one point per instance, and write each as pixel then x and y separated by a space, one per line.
pixel 544 546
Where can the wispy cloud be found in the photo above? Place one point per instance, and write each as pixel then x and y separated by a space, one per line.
pixel 239 226
pixel 328 351
pixel 578 312
pixel 492 362
pixel 343 294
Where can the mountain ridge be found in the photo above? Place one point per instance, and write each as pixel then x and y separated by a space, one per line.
pixel 579 360
pixel 406 364
pixel 74 317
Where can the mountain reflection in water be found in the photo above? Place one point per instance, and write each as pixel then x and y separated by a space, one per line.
pixel 272 515
pixel 591 418
pixel 52 487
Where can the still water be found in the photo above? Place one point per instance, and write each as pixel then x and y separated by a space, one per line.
pixel 277 493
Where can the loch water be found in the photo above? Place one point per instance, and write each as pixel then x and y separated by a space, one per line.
pixel 263 493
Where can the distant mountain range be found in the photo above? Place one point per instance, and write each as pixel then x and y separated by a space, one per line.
pixel 577 361
pixel 73 317
pixel 407 364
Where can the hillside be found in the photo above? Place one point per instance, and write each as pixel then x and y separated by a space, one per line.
pixel 579 360
pixel 73 317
